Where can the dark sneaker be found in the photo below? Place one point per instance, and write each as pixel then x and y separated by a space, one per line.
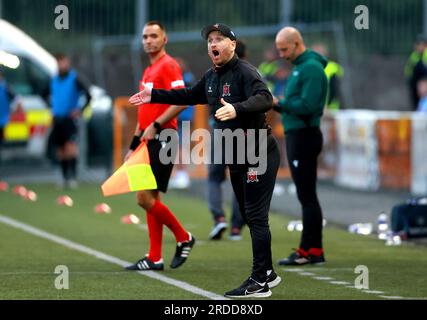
pixel 146 264
pixel 316 259
pixel 217 231
pixel 299 258
pixel 182 251
pixel 250 289
pixel 273 280
pixel 296 258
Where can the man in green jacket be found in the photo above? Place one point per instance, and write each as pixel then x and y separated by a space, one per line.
pixel 301 109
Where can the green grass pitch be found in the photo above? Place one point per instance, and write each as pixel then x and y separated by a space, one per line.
pixel 27 262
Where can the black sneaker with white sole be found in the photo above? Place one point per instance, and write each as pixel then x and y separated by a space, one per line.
pixel 294 259
pixel 316 259
pixel 146 264
pixel 250 289
pixel 182 251
pixel 273 280
pixel 217 231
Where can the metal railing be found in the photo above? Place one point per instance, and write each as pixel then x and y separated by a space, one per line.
pixel 394 24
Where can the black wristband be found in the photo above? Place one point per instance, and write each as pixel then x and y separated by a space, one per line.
pixel 136 141
pixel 157 126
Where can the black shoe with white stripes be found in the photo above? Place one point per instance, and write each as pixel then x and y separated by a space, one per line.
pixel 250 289
pixel 146 264
pixel 182 251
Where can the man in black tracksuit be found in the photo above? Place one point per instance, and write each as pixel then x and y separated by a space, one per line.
pixel 238 99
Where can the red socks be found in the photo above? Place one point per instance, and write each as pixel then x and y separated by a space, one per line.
pixel 317 252
pixel 302 252
pixel 312 251
pixel 155 232
pixel 158 216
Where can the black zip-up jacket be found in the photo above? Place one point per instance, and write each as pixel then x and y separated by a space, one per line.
pixel 239 83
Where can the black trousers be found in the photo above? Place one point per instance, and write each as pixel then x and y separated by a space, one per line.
pixel 64 130
pixel 216 176
pixel 303 146
pixel 253 193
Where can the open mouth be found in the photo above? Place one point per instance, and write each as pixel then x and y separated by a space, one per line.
pixel 215 53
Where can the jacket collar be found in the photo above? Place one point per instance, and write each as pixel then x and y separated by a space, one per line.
pixel 301 58
pixel 230 64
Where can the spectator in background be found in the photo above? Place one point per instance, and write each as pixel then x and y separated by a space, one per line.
pixel 6 99
pixel 6 96
pixel 181 179
pixel 281 79
pixel 416 68
pixel 65 91
pixel 422 94
pixel 269 67
pixel 335 73
pixel 216 176
pixel 241 50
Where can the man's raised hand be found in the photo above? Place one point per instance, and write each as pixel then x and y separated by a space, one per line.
pixel 144 96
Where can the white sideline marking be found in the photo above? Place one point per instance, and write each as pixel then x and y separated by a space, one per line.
pixel 25 273
pixel 102 256
pixel 401 298
pixel 342 283
pixel 329 270
pixel 392 297
pixel 380 294
pixel 323 278
pixel 374 291
pixel 296 270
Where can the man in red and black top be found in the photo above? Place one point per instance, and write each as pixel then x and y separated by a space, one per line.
pixel 163 73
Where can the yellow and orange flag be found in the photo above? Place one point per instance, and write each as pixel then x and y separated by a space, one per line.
pixel 134 175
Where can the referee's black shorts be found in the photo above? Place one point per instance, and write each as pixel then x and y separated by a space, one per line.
pixel 162 171
pixel 64 130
